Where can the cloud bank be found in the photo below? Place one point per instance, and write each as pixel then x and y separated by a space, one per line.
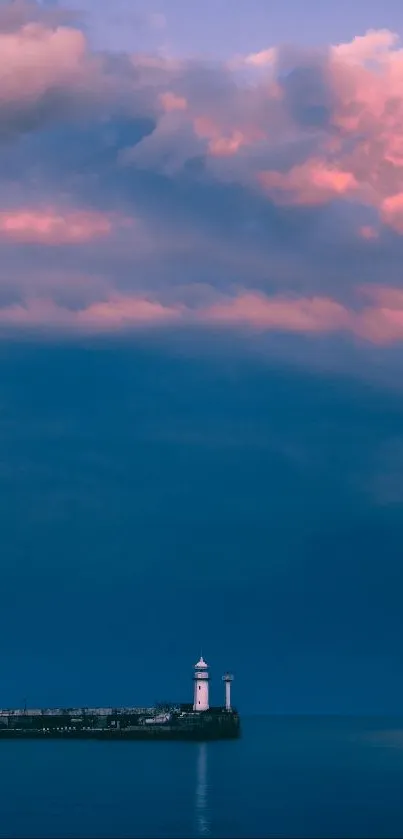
pixel 263 194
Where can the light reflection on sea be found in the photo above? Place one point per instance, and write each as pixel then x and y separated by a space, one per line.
pixel 202 819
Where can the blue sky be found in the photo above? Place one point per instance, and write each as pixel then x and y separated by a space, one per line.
pixel 221 27
pixel 201 327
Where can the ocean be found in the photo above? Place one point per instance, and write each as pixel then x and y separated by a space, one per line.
pixel 286 776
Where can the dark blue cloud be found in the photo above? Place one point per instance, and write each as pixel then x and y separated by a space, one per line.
pixel 307 95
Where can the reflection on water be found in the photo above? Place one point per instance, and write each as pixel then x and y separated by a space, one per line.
pixel 201 804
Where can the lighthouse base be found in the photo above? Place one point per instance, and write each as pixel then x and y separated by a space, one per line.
pixel 73 724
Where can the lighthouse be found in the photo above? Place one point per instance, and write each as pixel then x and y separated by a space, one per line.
pixel 227 678
pixel 201 679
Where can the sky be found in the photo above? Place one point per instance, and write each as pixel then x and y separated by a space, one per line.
pixel 201 327
pixel 222 28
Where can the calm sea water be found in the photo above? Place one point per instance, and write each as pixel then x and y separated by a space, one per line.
pixel 298 777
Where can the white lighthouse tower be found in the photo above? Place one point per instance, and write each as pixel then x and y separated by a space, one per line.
pixel 228 678
pixel 201 679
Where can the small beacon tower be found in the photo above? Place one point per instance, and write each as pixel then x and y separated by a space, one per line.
pixel 201 679
pixel 228 678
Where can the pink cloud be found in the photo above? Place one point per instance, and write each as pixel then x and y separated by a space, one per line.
pixel 319 314
pixel 225 144
pixel 366 78
pixel 392 211
pixel 380 323
pixel 264 58
pixel 52 227
pixel 375 44
pixel 116 313
pixel 365 83
pixel 384 297
pixel 313 182
pixel 48 68
pixel 171 102
pixel 36 58
pixel 359 159
pixel 366 231
pixel 124 311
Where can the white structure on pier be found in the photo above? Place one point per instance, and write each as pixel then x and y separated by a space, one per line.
pixel 201 679
pixel 228 678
